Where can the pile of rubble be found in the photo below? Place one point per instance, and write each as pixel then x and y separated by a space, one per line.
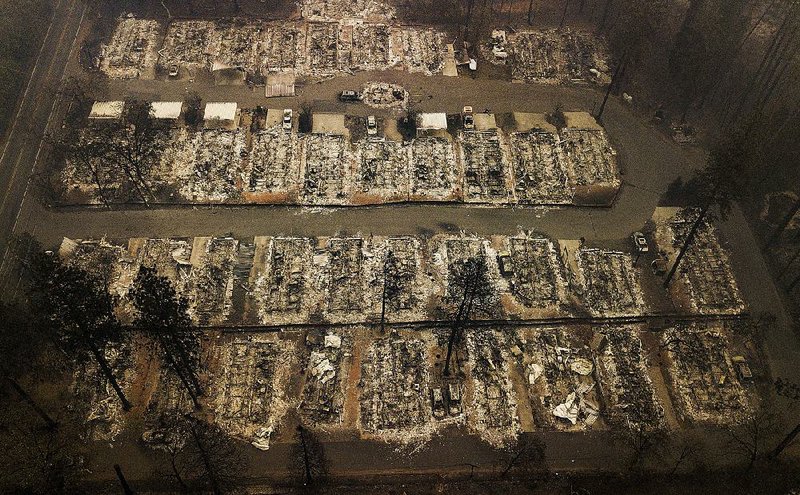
pixel 346 9
pixel 282 284
pixel 248 387
pixel 420 50
pixel 188 44
pixel 534 271
pixel 208 164
pixel 327 172
pixel 111 262
pixel 329 359
pixel 281 47
pixel 705 382
pixel 382 172
pixel 486 173
pixel 211 280
pixel 168 402
pixel 364 47
pixel 323 55
pixel 395 391
pixel 104 416
pixel 590 159
pixel 705 281
pixel 273 164
pixel 551 56
pixel 171 258
pixel 540 169
pixel 434 170
pixel 559 374
pixel 384 95
pixel 627 388
pixel 411 289
pixel 609 282
pixel 131 51
pixel 493 415
pixel 344 271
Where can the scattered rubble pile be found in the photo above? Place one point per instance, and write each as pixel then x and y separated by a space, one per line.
pixel 248 387
pixel 214 172
pixel 485 168
pixel 327 169
pixel 211 280
pixel 540 168
pixel 364 47
pixel 493 414
pixel 131 49
pixel 170 257
pixel 610 283
pixel 281 47
pixel 552 56
pixel 384 95
pixel 346 9
pixel 323 57
pixel 281 290
pixel 233 45
pixel 326 378
pixel 395 404
pixel 91 390
pixel 589 157
pixel 705 275
pixel 559 373
pixel 421 50
pixel 535 271
pixel 345 275
pixel 273 162
pixel 406 272
pixel 187 44
pixel 382 171
pixel 434 172
pixel 628 391
pixel 703 374
pixel 112 263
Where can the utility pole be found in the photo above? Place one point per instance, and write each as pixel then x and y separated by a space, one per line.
pixel 611 85
pixel 306 463
pixel 126 489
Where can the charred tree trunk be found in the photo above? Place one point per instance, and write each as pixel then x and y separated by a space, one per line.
pixel 126 488
pixel 106 370
pixel 686 244
pixel 212 475
pixel 604 18
pixel 787 440
pixel 563 15
pixel 530 12
pixel 306 461
pixel 178 369
pixel 28 400
pixel 611 86
pixel 787 219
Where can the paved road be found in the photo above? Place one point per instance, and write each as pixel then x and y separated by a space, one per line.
pixel 36 113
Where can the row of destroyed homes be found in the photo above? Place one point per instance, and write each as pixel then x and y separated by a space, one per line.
pixel 272 281
pixel 254 156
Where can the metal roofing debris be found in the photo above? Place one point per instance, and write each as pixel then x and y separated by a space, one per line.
pixel 107 110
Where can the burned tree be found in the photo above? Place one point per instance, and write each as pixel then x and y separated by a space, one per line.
pixel 750 438
pixel 717 187
pixel 78 312
pixel 20 348
pixel 204 457
pixel 162 316
pixel 471 289
pixel 528 455
pixel 308 459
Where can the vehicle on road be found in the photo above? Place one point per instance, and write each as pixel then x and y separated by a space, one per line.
pixel 372 126
pixel 287 119
pixel 173 70
pixel 468 118
pixel 640 243
pixel 349 96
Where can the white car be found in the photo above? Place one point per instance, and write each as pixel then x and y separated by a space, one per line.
pixel 640 243
pixel 468 118
pixel 287 119
pixel 372 126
